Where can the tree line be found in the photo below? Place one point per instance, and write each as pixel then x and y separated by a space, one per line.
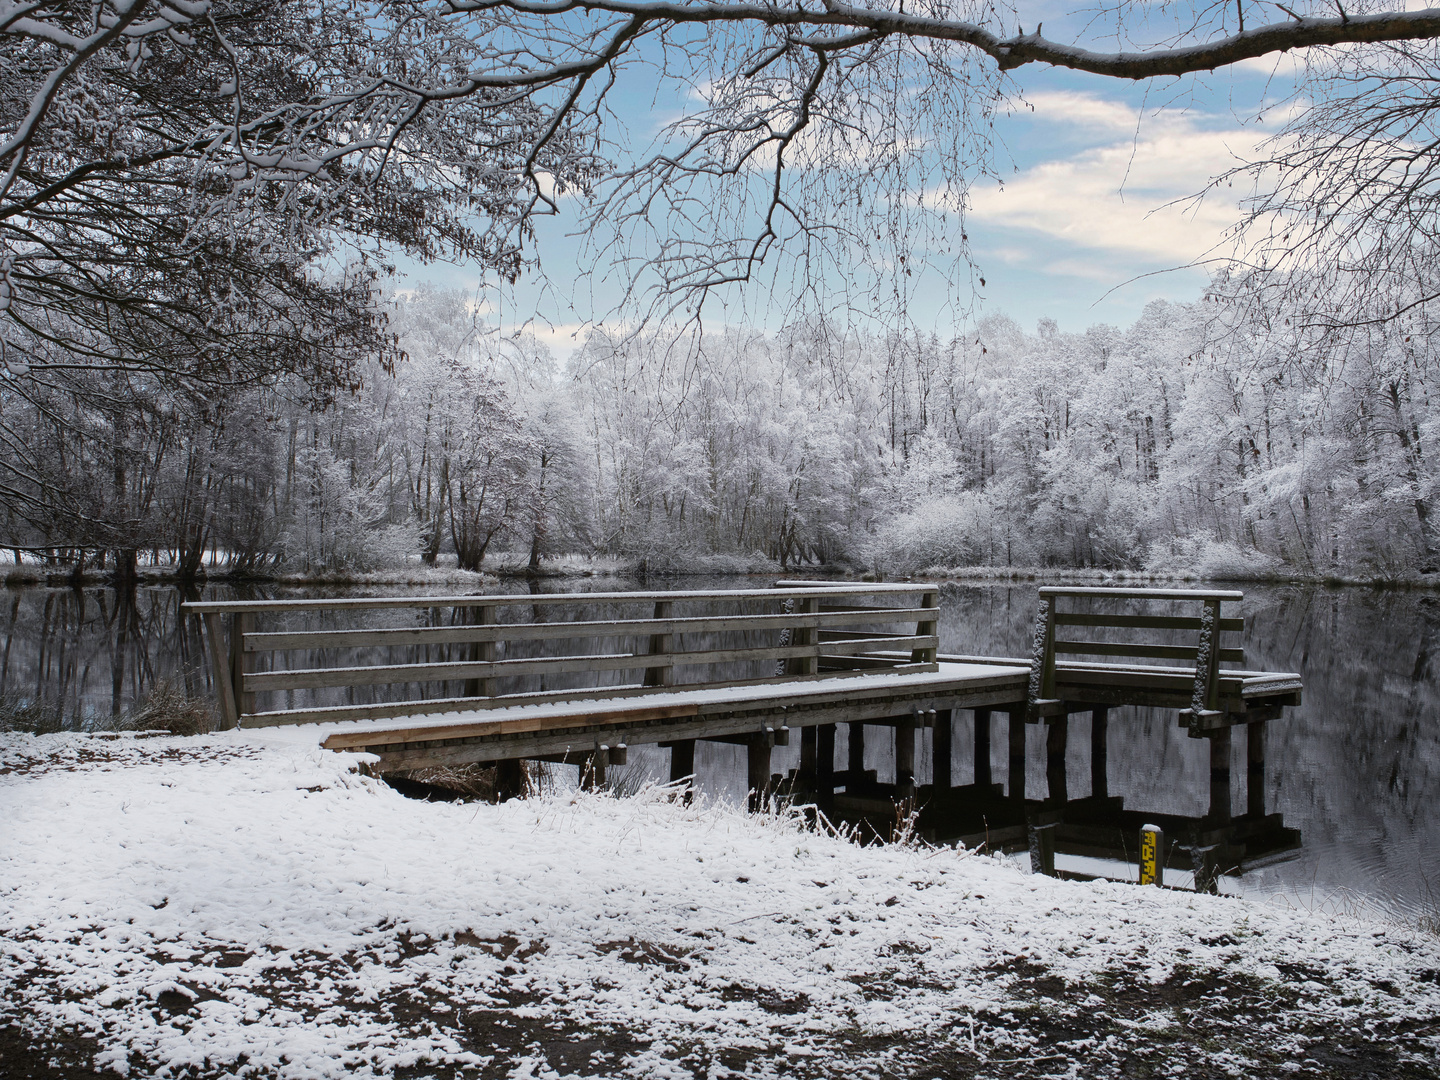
pixel 1223 435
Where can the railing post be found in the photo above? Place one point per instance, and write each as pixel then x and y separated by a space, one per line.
pixel 482 652
pixel 1207 659
pixel 808 635
pixel 1041 691
pixel 661 644
pixel 927 627
pixel 242 663
pixel 224 687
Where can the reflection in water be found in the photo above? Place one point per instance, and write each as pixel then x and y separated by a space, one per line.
pixel 1356 769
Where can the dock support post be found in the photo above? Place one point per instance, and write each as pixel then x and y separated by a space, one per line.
pixel 1057 736
pixel 1017 752
pixel 905 758
pixel 982 748
pixel 758 780
pixel 1206 860
pixel 592 770
pixel 808 757
pixel 942 739
pixel 509 779
pixel 856 756
pixel 1099 752
pixel 1042 849
pixel 682 760
pixel 824 764
pixel 1220 774
pixel 1255 769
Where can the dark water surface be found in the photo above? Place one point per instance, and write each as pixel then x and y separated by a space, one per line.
pixel 1356 768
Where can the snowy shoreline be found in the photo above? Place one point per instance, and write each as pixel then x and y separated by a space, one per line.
pixel 232 905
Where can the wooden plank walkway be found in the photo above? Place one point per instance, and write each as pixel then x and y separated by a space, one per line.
pixel 580 677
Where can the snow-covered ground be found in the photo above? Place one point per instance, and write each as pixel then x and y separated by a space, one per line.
pixel 232 905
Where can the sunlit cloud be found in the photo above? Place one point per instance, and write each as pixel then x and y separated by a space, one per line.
pixel 1130 198
pixel 1085 110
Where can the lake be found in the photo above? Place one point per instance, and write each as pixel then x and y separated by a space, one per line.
pixel 1356 768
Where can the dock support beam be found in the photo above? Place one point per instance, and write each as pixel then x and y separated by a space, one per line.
pixel 941 741
pixel 808 759
pixel 1017 752
pixel 905 757
pixel 1220 774
pixel 1255 769
pixel 1057 738
pixel 825 764
pixel 982 748
pixel 682 760
pixel 758 772
pixel 1100 753
pixel 592 770
pixel 509 779
pixel 1042 848
pixel 856 756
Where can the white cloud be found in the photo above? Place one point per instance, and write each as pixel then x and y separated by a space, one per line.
pixel 1085 110
pixel 1119 198
pixel 1085 269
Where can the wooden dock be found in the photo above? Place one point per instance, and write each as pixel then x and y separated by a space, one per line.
pixel 579 678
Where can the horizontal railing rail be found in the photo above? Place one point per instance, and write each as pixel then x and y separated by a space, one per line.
pixel 783 590
pixel 853 633
pixel 448 671
pixel 454 635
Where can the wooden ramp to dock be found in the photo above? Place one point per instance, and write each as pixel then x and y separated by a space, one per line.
pixel 445 680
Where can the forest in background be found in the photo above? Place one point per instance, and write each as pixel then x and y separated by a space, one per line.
pixel 1220 437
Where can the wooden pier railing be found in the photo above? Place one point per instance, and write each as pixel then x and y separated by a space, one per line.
pixel 794 631
pixel 1203 628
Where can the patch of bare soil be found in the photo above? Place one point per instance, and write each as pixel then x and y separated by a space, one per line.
pixel 57 1056
pixel 1199 1024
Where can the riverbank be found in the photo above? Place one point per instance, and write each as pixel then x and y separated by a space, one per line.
pixel 231 905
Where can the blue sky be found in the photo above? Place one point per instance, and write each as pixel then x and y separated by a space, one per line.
pixel 1090 225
